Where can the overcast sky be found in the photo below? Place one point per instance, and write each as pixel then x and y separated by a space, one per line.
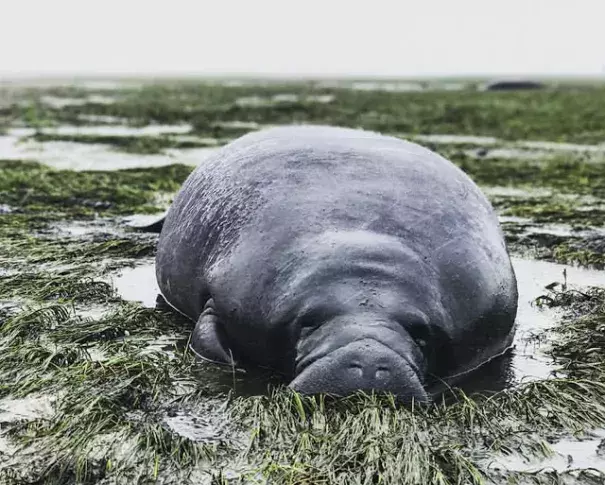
pixel 330 37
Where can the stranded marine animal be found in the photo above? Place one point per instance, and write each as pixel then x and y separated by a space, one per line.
pixel 345 259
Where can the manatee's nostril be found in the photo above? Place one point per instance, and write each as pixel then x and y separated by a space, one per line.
pixel 382 372
pixel 356 369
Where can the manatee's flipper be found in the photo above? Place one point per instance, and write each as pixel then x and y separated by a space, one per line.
pixel 155 226
pixel 208 338
pixel 162 304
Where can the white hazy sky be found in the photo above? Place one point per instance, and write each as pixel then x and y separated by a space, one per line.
pixel 330 37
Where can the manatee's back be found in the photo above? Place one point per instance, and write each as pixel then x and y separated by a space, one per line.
pixel 257 195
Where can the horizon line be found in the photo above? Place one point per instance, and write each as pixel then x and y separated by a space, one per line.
pixel 303 76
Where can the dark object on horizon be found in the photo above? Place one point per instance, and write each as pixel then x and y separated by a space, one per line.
pixel 513 85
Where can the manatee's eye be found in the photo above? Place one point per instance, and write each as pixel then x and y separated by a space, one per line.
pixel 313 318
pixel 419 329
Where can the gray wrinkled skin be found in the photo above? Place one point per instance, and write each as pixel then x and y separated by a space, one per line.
pixel 344 259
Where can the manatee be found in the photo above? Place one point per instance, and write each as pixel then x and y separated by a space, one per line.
pixel 343 259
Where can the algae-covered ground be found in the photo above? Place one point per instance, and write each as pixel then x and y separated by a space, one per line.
pixel 97 385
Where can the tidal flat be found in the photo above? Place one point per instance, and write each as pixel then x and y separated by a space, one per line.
pixel 98 386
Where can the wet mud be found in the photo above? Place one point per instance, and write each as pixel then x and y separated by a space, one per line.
pixel 98 385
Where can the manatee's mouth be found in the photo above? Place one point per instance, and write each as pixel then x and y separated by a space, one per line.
pixel 362 365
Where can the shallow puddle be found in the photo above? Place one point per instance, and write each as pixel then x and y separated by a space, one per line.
pixel 566 147
pixel 8 305
pixel 107 85
pixel 197 428
pixel 95 312
pixel 569 454
pixel 532 278
pixel 57 102
pixel 515 192
pixel 103 119
pixel 510 154
pixel 400 87
pixel 104 130
pixel 138 284
pixel 454 139
pixel 118 130
pixel 84 228
pixel 87 156
pixel 450 87
pixel 242 125
pixel 26 409
pixel 258 101
pixel 563 230
pixel 507 148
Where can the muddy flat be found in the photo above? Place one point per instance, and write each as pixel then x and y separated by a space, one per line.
pixel 97 384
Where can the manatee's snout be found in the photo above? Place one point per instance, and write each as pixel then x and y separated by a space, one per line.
pixel 362 365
